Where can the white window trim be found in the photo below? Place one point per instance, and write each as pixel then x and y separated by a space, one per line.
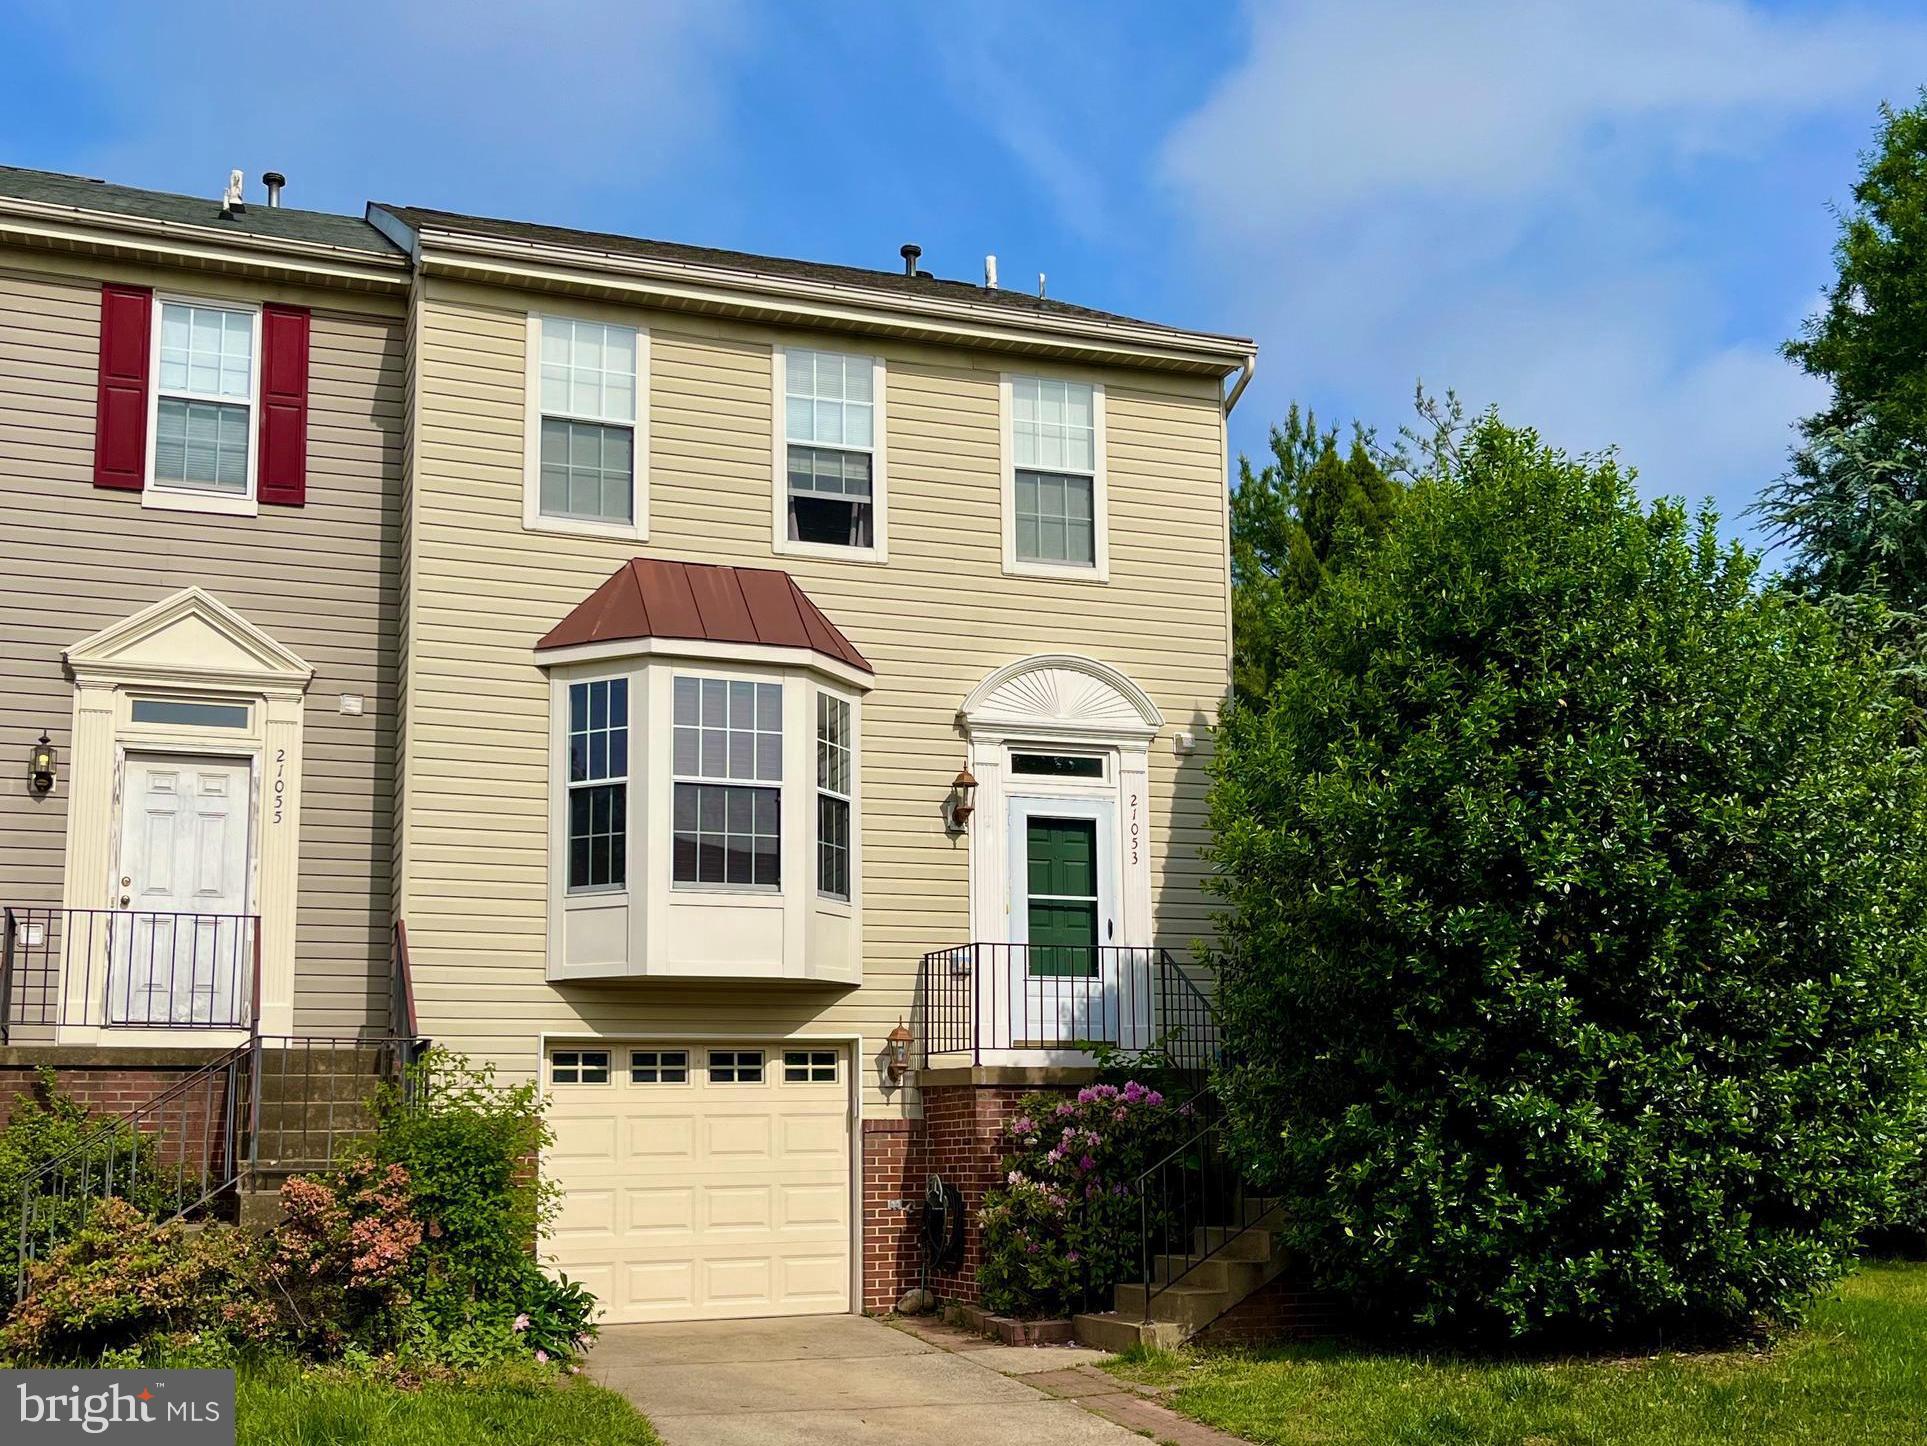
pixel 172 497
pixel 1100 571
pixel 781 785
pixel 849 798
pixel 627 779
pixel 635 530
pixel 878 551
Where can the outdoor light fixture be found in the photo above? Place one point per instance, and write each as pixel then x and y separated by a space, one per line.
pixel 899 1063
pixel 961 803
pixel 40 765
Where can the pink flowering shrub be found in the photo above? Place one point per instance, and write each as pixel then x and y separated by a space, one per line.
pixel 122 1282
pixel 341 1256
pixel 1064 1227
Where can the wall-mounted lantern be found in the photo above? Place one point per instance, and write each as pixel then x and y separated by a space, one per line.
pixel 898 1064
pixel 961 803
pixel 40 765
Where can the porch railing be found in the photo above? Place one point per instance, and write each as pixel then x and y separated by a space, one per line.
pixel 256 1113
pixel 129 968
pixel 401 985
pixel 989 1001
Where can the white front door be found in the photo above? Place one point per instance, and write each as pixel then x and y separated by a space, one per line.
pixel 182 950
pixel 1067 982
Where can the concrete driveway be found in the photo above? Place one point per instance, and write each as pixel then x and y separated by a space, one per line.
pixel 838 1378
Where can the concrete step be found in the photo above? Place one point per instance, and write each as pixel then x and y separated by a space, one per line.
pixel 259 1209
pixel 1235 1275
pixel 1257 1243
pixel 1110 1331
pixel 1191 1307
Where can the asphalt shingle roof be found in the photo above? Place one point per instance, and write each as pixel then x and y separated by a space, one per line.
pixel 936 288
pixel 284 223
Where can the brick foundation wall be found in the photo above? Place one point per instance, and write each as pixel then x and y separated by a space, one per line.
pixel 1282 1309
pixel 113 1082
pixel 893 1176
pixel 957 1138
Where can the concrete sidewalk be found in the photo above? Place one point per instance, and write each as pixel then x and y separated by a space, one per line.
pixel 840 1378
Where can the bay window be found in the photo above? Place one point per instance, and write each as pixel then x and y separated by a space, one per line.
pixel 598 784
pixel 728 769
pixel 833 796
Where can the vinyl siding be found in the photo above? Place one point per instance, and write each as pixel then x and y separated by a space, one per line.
pixel 934 621
pixel 319 578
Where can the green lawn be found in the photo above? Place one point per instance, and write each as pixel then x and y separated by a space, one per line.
pixel 280 1405
pixel 1857 1372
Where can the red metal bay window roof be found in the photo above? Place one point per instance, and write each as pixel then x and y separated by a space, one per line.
pixel 650 598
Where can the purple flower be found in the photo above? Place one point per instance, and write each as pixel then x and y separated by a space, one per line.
pixel 522 1322
pixel 1014 1178
pixel 1087 1163
pixel 1154 1099
pixel 542 1358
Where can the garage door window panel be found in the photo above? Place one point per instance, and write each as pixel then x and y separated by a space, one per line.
pixel 736 1066
pixel 579 1066
pixel 659 1066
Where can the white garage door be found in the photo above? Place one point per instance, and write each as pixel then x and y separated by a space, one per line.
pixel 702 1182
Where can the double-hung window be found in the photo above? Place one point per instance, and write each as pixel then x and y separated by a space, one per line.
pixel 728 773
pixel 832 797
pixel 598 784
pixel 1056 485
pixel 831 449
pixel 204 399
pixel 586 423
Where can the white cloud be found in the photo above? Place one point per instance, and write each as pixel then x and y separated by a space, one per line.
pixel 1499 195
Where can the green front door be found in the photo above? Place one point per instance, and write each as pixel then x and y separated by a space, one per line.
pixel 1062 897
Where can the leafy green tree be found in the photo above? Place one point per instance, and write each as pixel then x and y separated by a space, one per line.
pixel 1571 971
pixel 1853 508
pixel 1293 522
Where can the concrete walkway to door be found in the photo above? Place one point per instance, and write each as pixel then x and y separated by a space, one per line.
pixel 837 1378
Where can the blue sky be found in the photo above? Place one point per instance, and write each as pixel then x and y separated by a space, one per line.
pixel 1603 218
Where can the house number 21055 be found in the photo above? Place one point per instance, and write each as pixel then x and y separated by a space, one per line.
pixel 280 782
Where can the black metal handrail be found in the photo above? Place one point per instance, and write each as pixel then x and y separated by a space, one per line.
pixel 129 968
pixel 1192 1204
pixel 168 1157
pixel 269 1107
pixel 989 998
pixel 401 986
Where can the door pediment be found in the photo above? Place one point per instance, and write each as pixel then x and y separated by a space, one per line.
pixel 191 638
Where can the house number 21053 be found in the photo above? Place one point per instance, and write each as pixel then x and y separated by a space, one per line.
pixel 280 782
pixel 1136 828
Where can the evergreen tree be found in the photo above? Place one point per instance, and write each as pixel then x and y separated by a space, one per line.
pixel 1853 508
pixel 1293 523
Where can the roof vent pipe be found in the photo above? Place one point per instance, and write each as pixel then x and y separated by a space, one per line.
pixel 274 181
pixel 1040 285
pixel 233 202
pixel 910 251
pixel 990 272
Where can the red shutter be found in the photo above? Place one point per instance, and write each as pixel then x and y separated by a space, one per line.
pixel 284 405
pixel 120 419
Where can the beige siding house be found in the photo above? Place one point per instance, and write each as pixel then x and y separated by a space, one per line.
pixel 200 451
pixel 689 856
pixel 768 703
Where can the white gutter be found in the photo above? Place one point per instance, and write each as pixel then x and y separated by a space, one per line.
pixel 708 287
pixel 1244 380
pixel 46 224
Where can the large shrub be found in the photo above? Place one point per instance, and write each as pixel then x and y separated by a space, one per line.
pixel 470 1147
pixel 1064 1227
pixel 1571 971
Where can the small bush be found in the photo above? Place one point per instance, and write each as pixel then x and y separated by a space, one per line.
pixel 47 1129
pixel 342 1259
pixel 1064 1226
pixel 124 1283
